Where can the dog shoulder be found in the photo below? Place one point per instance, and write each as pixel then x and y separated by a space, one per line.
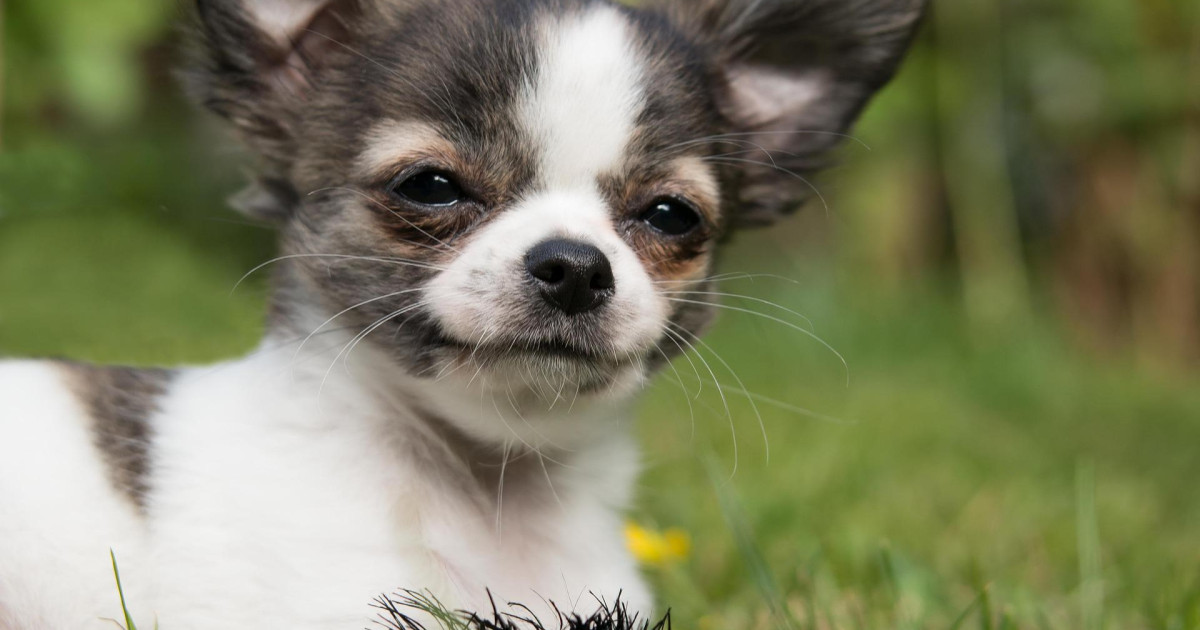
pixel 73 441
pixel 57 413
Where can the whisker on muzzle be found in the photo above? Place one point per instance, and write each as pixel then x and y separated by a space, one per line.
pixel 804 331
pixel 404 262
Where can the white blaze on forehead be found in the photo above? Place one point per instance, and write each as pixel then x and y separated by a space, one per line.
pixel 582 107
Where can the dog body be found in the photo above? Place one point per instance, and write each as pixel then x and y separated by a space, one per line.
pixel 497 220
pixel 362 499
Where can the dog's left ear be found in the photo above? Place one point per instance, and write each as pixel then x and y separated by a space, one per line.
pixel 793 75
pixel 255 63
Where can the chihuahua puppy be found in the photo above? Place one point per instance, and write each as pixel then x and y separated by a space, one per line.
pixel 486 208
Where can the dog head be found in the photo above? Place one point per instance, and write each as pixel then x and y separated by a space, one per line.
pixel 528 194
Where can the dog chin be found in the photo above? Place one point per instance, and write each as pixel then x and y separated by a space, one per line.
pixel 549 370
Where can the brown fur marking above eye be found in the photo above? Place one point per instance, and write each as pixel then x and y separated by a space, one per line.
pixel 391 143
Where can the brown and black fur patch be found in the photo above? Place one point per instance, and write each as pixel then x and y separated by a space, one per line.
pixel 120 402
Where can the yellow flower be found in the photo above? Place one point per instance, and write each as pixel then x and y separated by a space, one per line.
pixel 656 548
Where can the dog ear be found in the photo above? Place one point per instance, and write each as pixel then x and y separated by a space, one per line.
pixel 793 76
pixel 253 63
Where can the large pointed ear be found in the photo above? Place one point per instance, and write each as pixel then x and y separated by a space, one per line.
pixel 794 75
pixel 253 63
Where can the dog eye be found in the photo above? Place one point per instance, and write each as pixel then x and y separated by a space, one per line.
pixel 429 188
pixel 671 216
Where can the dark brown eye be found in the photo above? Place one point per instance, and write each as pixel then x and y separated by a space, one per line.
pixel 429 188
pixel 671 216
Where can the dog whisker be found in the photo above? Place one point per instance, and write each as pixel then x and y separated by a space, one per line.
pixel 754 406
pixel 393 212
pixel 500 490
pixel 791 325
pixel 781 169
pixel 736 275
pixel 362 335
pixel 743 297
pixel 520 416
pixel 720 391
pixel 347 257
pixel 549 481
pixel 533 449
pixel 376 326
pixel 799 132
pixel 687 395
pixel 347 310
pixel 695 370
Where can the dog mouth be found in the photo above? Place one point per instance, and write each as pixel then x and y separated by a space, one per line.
pixel 556 348
pixel 549 348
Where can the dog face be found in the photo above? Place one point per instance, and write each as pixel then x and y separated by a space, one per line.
pixel 527 194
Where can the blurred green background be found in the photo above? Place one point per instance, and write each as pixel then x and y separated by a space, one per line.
pixel 1012 273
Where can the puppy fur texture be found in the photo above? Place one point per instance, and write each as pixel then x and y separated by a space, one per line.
pixel 418 415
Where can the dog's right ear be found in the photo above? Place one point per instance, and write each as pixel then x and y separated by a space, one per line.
pixel 254 63
pixel 793 75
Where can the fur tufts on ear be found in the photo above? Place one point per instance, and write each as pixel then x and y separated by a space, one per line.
pixel 796 74
pixel 254 63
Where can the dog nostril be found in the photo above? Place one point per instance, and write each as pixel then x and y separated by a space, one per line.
pixel 551 272
pixel 603 279
pixel 572 277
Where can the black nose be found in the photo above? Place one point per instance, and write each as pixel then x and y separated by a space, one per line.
pixel 574 277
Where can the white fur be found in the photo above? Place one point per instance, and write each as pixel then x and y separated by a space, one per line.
pixel 586 96
pixel 58 515
pixel 283 497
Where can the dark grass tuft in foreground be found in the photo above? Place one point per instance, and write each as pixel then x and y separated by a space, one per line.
pixel 397 613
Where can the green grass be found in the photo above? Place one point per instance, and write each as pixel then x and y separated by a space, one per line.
pixel 128 618
pixel 1006 481
pixel 963 479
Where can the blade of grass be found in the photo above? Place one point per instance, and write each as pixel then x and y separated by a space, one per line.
pixel 975 603
pixel 129 625
pixel 760 574
pixel 1091 588
pixel 986 614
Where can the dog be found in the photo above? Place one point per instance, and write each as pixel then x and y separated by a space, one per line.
pixel 497 219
